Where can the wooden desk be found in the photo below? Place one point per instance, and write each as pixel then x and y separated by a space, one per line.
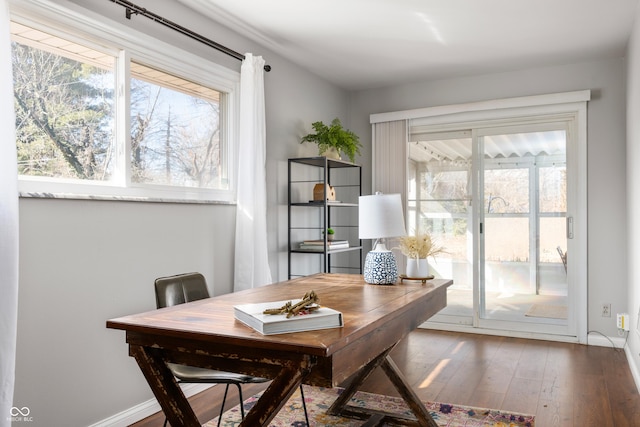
pixel 205 333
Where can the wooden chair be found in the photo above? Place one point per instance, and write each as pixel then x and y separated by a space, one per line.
pixel 183 288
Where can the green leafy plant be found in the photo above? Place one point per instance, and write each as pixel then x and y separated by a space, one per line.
pixel 330 234
pixel 335 136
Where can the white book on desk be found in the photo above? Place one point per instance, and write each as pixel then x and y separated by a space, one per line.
pixel 269 324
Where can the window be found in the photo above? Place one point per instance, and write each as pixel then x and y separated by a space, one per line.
pixel 95 118
pixel 64 97
pixel 175 131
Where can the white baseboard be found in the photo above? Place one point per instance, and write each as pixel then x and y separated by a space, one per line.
pixel 635 369
pixel 145 409
pixel 605 341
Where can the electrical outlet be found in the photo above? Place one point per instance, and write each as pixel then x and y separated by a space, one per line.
pixel 623 321
pixel 606 310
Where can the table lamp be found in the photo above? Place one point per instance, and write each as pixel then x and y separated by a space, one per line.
pixel 380 217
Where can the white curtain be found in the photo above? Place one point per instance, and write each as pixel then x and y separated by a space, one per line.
pixel 390 158
pixel 8 225
pixel 251 256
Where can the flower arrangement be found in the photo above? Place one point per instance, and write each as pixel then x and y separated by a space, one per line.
pixel 420 246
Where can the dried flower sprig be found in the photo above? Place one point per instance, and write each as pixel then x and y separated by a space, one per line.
pixel 419 246
pixel 290 309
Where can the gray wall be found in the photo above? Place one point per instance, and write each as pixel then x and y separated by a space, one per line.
pixel 633 195
pixel 83 262
pixel 606 153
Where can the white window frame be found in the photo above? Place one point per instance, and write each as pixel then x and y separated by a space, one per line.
pixel 128 44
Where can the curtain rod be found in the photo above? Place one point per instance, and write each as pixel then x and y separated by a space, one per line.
pixel 134 9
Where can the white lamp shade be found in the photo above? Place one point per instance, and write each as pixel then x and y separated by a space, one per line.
pixel 380 216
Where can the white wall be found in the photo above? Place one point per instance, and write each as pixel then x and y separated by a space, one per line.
pixel 633 195
pixel 83 262
pixel 607 269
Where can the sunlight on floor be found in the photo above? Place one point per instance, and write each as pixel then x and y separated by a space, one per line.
pixel 434 373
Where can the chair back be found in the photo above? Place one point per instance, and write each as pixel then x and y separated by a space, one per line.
pixel 181 288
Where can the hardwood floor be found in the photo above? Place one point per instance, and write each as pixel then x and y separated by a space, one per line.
pixel 562 384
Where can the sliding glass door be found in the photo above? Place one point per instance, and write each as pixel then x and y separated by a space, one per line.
pixel 522 280
pixel 496 199
pixel 439 202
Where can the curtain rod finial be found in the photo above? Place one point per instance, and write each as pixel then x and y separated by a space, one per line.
pixel 267 68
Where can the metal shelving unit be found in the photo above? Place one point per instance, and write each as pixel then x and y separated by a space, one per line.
pixel 308 219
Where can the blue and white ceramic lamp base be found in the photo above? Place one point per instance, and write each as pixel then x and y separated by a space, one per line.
pixel 380 268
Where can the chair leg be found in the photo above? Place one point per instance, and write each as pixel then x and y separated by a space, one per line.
pixel 241 400
pixel 304 405
pixel 224 399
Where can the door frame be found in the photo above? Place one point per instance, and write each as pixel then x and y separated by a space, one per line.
pixel 570 106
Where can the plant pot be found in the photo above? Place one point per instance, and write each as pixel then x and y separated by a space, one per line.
pixel 331 153
pixel 330 237
pixel 417 267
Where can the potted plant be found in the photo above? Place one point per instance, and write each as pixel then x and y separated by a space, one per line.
pixel 336 137
pixel 417 249
pixel 330 234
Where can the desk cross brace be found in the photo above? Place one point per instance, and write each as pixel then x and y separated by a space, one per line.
pixel 279 392
pixel 176 407
pixel 164 386
pixel 378 418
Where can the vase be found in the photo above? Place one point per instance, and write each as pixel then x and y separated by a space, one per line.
pixel 417 267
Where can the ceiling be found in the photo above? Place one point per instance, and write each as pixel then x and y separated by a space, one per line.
pixel 361 44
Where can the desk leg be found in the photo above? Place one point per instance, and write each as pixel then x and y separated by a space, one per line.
pixel 397 378
pixel 338 407
pixel 278 392
pixel 341 408
pixel 174 404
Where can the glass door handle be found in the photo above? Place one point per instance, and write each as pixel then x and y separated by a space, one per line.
pixel 569 227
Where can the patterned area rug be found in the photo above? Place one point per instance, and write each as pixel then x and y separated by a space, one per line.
pixel 319 399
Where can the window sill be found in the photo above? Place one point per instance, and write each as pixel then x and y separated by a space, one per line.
pixel 48 188
pixel 69 196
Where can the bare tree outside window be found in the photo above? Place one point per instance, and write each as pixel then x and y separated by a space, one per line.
pixel 64 115
pixel 175 138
